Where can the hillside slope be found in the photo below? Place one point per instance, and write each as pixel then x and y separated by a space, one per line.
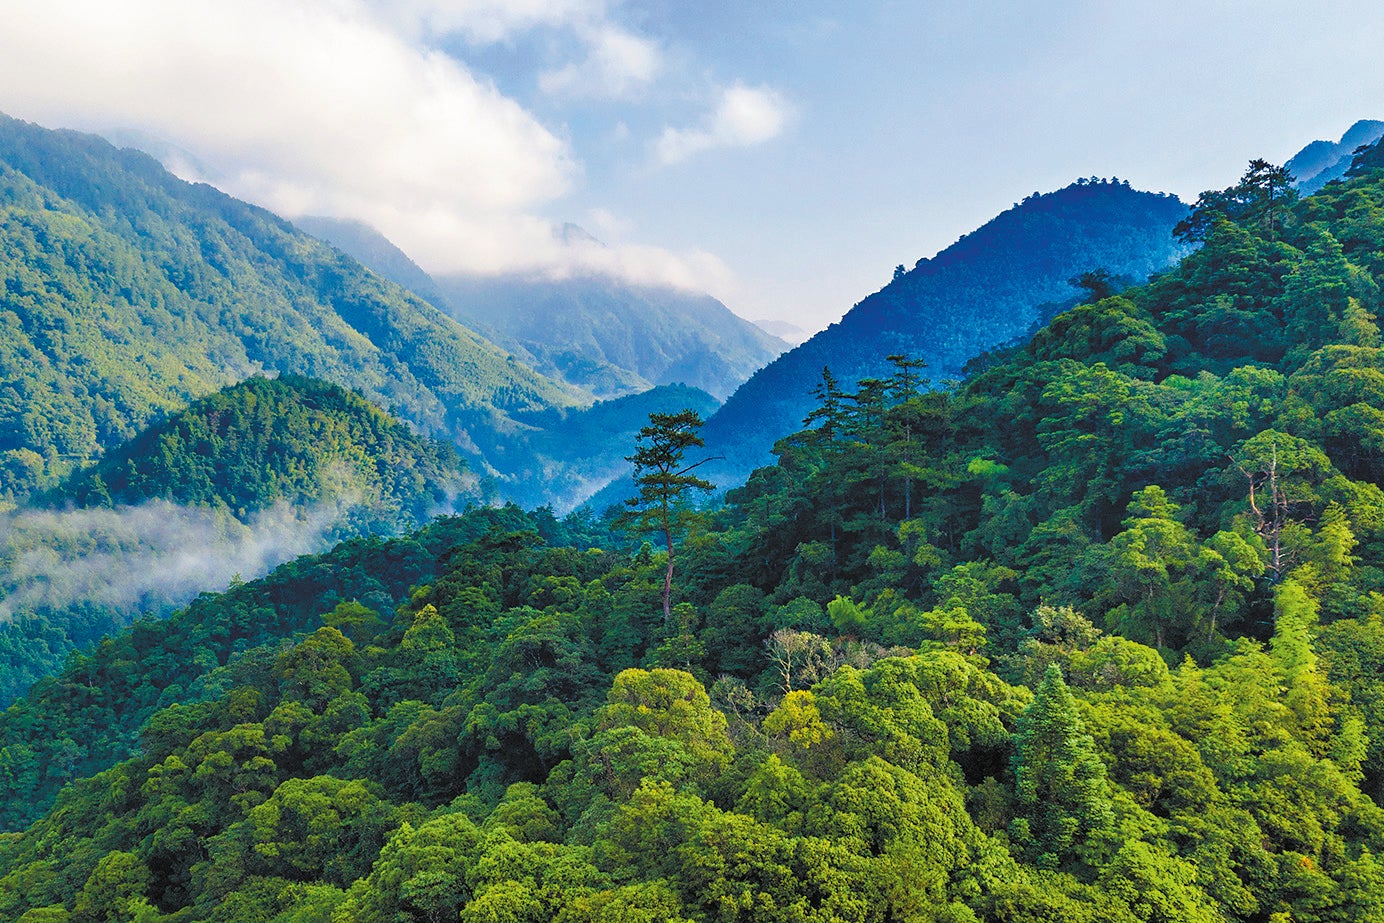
pixel 235 484
pixel 1094 637
pixel 612 338
pixel 600 335
pixel 125 292
pixel 985 290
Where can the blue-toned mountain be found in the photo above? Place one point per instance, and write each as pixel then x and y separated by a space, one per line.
pixel 1323 161
pixel 986 290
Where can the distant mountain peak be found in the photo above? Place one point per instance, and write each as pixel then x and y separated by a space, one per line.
pixel 791 334
pixel 573 234
pixel 1320 162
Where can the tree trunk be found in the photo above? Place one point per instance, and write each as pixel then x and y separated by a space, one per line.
pixel 668 584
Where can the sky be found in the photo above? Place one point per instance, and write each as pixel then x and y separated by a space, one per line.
pixel 783 156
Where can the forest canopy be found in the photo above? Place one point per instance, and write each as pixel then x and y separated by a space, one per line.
pixel 1096 635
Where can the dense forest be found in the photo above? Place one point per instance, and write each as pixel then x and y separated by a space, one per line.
pixel 992 287
pixel 236 483
pixel 266 441
pixel 128 292
pixel 1095 635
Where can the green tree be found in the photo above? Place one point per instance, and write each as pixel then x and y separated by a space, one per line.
pixel 1282 472
pixel 114 892
pixel 1060 785
pixel 664 482
pixel 1260 199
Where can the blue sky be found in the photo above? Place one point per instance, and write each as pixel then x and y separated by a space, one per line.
pixel 784 156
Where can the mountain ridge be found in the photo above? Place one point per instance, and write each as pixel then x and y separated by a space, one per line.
pixel 130 292
pixel 1320 162
pixel 602 335
pixel 986 290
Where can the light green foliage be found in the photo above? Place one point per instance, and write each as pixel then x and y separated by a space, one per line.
pixel 1158 888
pixel 130 292
pixel 512 744
pixel 798 721
pixel 669 704
pixel 114 892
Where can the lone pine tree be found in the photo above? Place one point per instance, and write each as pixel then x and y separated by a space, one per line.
pixel 664 482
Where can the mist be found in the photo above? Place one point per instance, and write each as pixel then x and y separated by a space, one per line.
pixel 148 558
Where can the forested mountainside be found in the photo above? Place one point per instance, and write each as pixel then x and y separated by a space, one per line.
pixel 125 293
pixel 612 338
pixel 1097 635
pixel 1323 161
pixel 989 288
pixel 236 483
pixel 287 440
pixel 375 252
pixel 595 333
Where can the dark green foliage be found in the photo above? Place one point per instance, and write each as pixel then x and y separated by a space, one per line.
pixel 664 478
pixel 287 440
pixel 908 677
pixel 1059 781
pixel 1259 199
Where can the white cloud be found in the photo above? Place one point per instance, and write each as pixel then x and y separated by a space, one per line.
pixel 606 223
pixel 697 271
pixel 487 21
pixel 148 558
pixel 618 65
pixel 341 108
pixel 744 116
pixel 312 98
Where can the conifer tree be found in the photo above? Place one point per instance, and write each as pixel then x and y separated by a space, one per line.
pixel 664 482
pixel 1060 783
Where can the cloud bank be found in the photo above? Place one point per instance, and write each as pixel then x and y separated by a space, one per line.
pixel 356 109
pixel 146 558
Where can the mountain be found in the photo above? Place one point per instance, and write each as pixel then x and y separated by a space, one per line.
pixel 375 252
pixel 288 440
pixel 128 292
pixel 235 484
pixel 1093 636
pixel 789 333
pixel 1323 161
pixel 987 289
pixel 613 338
pixel 595 333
